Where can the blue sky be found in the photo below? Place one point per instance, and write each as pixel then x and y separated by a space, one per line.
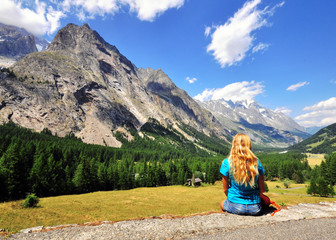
pixel 280 53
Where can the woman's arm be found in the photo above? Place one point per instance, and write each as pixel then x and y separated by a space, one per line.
pixel 225 185
pixel 261 184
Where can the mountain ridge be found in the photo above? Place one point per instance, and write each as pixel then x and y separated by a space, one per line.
pixel 83 85
pixel 263 125
pixel 323 141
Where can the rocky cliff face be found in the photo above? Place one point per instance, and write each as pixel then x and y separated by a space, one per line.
pixel 81 84
pixel 15 43
pixel 263 125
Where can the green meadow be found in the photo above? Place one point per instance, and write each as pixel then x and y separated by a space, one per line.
pixel 135 204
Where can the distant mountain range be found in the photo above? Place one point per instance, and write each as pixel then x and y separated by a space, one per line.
pixel 263 125
pixel 313 130
pixel 17 42
pixel 324 141
pixel 83 85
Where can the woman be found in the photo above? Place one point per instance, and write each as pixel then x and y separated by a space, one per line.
pixel 243 179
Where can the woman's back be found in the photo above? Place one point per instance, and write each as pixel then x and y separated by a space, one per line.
pixel 242 178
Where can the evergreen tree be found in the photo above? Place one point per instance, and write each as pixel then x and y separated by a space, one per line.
pixel 15 171
pixel 331 169
pixel 322 187
pixel 39 175
pixel 103 177
pixel 83 179
pixel 312 188
pixel 68 178
pixel 3 182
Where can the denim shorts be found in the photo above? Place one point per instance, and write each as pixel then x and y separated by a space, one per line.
pixel 242 209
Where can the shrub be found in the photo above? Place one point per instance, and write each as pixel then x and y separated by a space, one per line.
pixel 286 183
pixel 31 201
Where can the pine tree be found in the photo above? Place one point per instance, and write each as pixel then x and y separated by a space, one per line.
pixel 312 188
pixel 83 180
pixel 331 169
pixel 3 182
pixel 39 175
pixel 322 187
pixel 68 179
pixel 15 170
pixel 103 176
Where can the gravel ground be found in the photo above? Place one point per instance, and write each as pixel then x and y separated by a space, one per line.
pixel 303 221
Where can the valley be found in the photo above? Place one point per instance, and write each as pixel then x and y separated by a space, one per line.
pixel 116 117
pixel 99 139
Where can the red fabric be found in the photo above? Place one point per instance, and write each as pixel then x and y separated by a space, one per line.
pixel 266 201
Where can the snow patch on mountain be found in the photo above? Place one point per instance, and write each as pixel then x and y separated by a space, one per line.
pixel 263 125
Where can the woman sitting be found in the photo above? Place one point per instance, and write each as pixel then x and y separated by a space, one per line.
pixel 243 179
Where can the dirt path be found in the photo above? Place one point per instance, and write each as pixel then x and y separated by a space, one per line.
pixel 302 217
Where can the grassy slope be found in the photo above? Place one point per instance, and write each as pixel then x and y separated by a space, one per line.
pixel 324 141
pixel 135 203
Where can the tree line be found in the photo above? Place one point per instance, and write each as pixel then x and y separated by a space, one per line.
pixel 47 165
pixel 291 165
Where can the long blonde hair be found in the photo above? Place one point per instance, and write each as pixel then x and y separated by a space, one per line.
pixel 243 162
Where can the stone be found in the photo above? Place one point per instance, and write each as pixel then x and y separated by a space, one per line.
pixel 33 229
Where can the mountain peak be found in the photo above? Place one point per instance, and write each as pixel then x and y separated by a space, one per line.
pixel 69 37
pixel 80 38
pixel 245 103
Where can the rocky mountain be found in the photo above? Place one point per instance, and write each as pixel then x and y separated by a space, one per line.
pixel 263 125
pixel 83 85
pixel 324 141
pixel 16 42
pixel 41 43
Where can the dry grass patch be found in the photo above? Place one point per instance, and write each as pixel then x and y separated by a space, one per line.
pixel 314 159
pixel 112 206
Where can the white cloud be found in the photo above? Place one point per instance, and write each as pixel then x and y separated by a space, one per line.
pixel 91 7
pixel 40 20
pixel 260 47
pixel 231 41
pixel 147 10
pixel 191 80
pixel 320 114
pixel 295 87
pixel 329 104
pixel 333 81
pixel 284 110
pixel 234 92
pixel 205 95
pixel 40 16
pixel 207 31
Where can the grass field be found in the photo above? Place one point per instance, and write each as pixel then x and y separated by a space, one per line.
pixel 134 204
pixel 314 159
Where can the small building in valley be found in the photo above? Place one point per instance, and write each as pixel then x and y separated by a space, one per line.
pixel 197 182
